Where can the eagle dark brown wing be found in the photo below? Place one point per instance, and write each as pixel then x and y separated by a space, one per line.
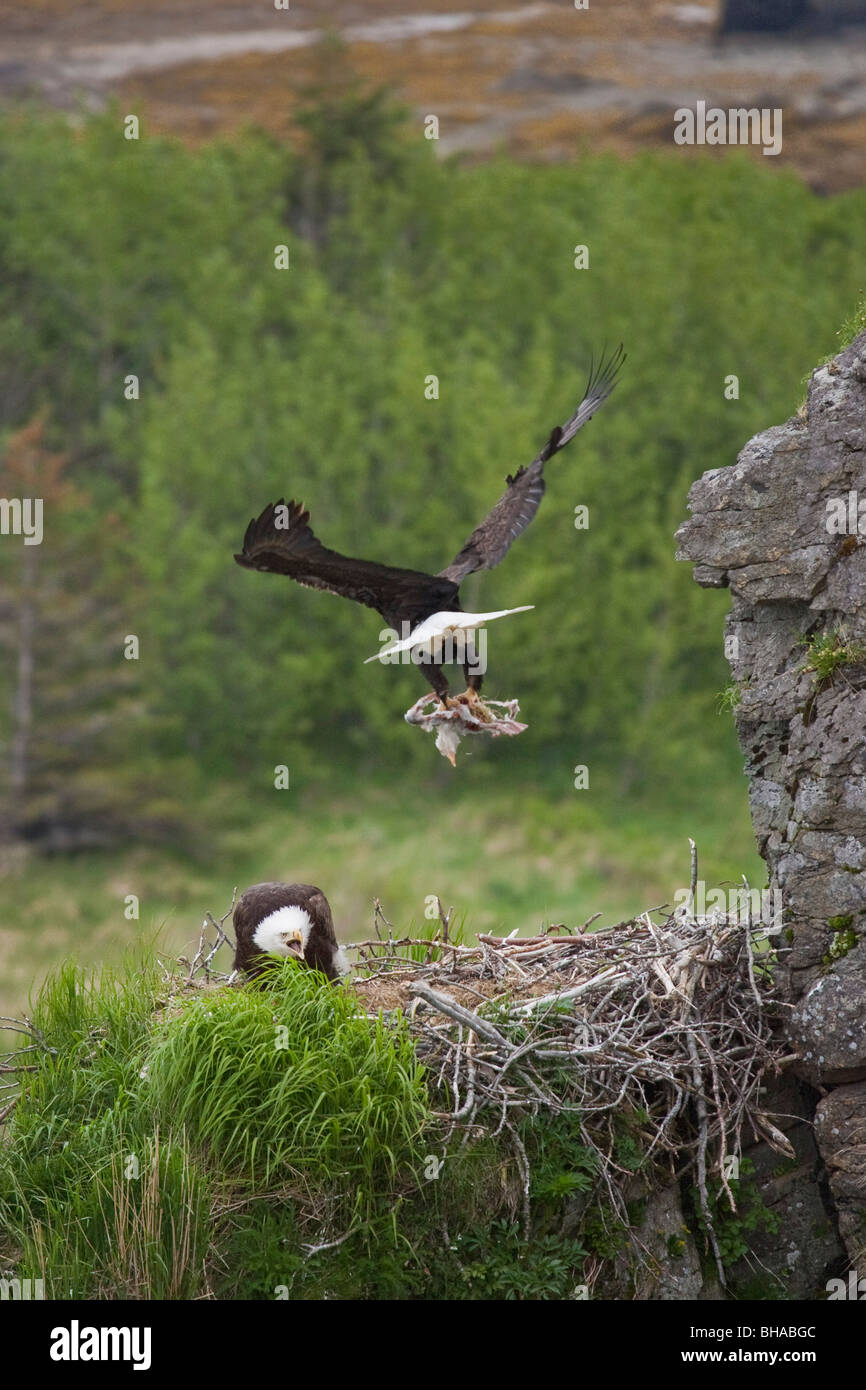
pixel 281 541
pixel 490 541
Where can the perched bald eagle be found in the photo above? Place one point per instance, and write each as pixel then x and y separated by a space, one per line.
pixel 286 919
pixel 423 608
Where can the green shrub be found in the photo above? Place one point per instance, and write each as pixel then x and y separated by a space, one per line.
pixel 96 1199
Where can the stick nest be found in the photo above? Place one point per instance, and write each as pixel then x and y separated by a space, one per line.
pixel 668 1018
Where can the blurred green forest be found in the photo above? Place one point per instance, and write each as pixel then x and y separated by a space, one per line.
pixel 146 258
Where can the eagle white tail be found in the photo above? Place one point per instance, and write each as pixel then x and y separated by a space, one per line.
pixel 443 625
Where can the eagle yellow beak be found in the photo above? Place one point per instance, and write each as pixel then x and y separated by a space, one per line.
pixel 295 943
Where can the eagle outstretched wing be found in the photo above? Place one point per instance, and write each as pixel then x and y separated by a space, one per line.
pixel 490 541
pixel 281 541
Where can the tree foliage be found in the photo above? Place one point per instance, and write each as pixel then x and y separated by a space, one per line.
pixel 146 258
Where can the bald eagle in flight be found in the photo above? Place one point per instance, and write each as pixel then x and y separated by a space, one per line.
pixel 426 607
pixel 289 920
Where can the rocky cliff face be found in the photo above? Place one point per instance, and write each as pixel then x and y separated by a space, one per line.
pixel 785 530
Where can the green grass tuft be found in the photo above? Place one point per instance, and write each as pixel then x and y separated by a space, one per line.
pixel 729 698
pixel 828 652
pixel 288 1082
pixel 95 1200
pixel 854 325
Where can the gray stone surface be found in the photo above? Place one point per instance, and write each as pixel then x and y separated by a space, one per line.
pixel 840 1128
pixel 761 528
pixel 674 1272
pixel 794 1252
pixel 660 1263
pixel 827 1025
pixel 785 529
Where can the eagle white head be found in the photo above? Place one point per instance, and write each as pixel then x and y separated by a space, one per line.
pixel 284 932
pixel 292 920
